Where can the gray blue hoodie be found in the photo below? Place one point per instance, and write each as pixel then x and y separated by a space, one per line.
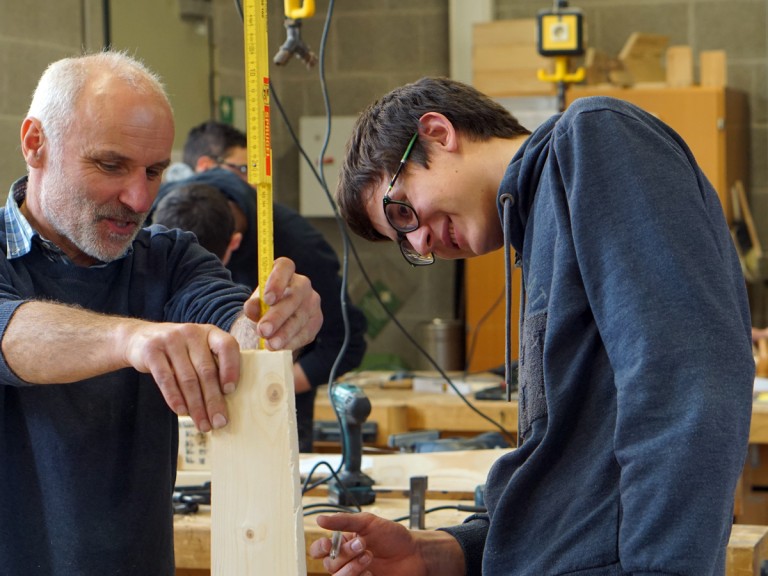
pixel 636 370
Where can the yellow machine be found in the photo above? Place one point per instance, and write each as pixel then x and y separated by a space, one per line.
pixel 560 35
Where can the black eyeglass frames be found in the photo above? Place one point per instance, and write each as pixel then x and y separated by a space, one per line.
pixel 403 218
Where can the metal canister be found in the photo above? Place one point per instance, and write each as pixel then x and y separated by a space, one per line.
pixel 443 339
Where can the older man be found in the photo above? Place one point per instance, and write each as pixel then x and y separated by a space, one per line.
pixel 110 330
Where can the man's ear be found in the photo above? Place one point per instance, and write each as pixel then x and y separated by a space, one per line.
pixel 435 127
pixel 32 142
pixel 205 163
pixel 234 244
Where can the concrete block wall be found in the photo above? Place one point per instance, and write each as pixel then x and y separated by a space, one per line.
pixel 32 34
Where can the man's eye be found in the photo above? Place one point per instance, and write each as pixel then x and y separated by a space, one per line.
pixel 403 211
pixel 154 173
pixel 109 166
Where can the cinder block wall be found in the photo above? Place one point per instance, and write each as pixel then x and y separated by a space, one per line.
pixel 372 47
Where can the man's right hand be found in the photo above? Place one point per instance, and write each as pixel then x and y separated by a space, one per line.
pixel 374 546
pixel 194 365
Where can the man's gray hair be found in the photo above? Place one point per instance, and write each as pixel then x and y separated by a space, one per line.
pixel 57 92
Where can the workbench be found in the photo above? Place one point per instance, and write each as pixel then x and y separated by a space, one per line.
pixel 747 548
pixel 452 479
pixel 453 476
pixel 192 533
pixel 397 408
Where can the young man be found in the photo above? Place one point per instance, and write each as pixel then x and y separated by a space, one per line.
pixel 108 330
pixel 218 153
pixel 635 367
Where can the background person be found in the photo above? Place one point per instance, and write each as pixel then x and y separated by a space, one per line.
pixel 203 210
pixel 218 153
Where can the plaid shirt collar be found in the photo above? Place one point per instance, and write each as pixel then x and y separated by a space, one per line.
pixel 18 231
pixel 20 234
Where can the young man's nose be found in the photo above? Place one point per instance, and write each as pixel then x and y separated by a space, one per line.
pixel 421 240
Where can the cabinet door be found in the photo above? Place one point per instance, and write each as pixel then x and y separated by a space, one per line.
pixel 712 121
pixel 485 310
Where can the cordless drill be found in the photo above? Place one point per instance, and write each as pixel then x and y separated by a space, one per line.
pixel 353 487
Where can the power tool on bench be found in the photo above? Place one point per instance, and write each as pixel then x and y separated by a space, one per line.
pixel 353 487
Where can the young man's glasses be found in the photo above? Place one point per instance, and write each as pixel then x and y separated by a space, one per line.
pixel 239 168
pixel 403 218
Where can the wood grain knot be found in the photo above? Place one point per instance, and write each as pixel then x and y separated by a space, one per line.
pixel 275 393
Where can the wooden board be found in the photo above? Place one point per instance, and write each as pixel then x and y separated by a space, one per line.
pixel 505 60
pixel 714 68
pixel 642 57
pixel 747 549
pixel 679 66
pixel 257 523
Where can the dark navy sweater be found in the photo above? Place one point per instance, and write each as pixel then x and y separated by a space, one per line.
pixel 87 469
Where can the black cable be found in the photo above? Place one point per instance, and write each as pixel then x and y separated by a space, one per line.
pixel 334 474
pixel 476 331
pixel 325 507
pixel 459 507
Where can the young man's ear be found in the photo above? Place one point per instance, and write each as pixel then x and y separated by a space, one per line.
pixel 436 128
pixel 32 142
pixel 205 163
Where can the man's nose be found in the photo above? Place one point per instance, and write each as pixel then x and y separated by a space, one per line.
pixel 139 194
pixel 421 240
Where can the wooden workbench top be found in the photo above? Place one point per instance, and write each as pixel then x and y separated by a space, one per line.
pixel 192 533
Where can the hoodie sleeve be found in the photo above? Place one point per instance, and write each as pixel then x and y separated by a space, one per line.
pixel 471 536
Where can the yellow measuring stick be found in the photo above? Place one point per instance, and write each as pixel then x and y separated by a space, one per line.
pixel 258 131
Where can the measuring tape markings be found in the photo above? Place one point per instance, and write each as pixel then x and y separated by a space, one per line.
pixel 258 131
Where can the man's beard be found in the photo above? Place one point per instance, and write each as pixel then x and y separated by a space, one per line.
pixel 69 211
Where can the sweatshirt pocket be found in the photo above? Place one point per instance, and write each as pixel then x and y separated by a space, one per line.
pixel 532 399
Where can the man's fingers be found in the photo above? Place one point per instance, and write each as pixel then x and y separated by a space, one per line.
pixel 227 356
pixel 279 279
pixel 345 522
pixel 194 366
pixel 211 371
pixel 293 321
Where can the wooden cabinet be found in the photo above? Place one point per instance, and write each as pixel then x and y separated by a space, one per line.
pixel 713 121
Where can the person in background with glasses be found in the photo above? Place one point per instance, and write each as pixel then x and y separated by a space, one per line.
pixel 217 153
pixel 635 367
pixel 213 144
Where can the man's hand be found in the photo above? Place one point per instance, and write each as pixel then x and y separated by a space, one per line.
pixel 194 365
pixel 293 318
pixel 374 546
